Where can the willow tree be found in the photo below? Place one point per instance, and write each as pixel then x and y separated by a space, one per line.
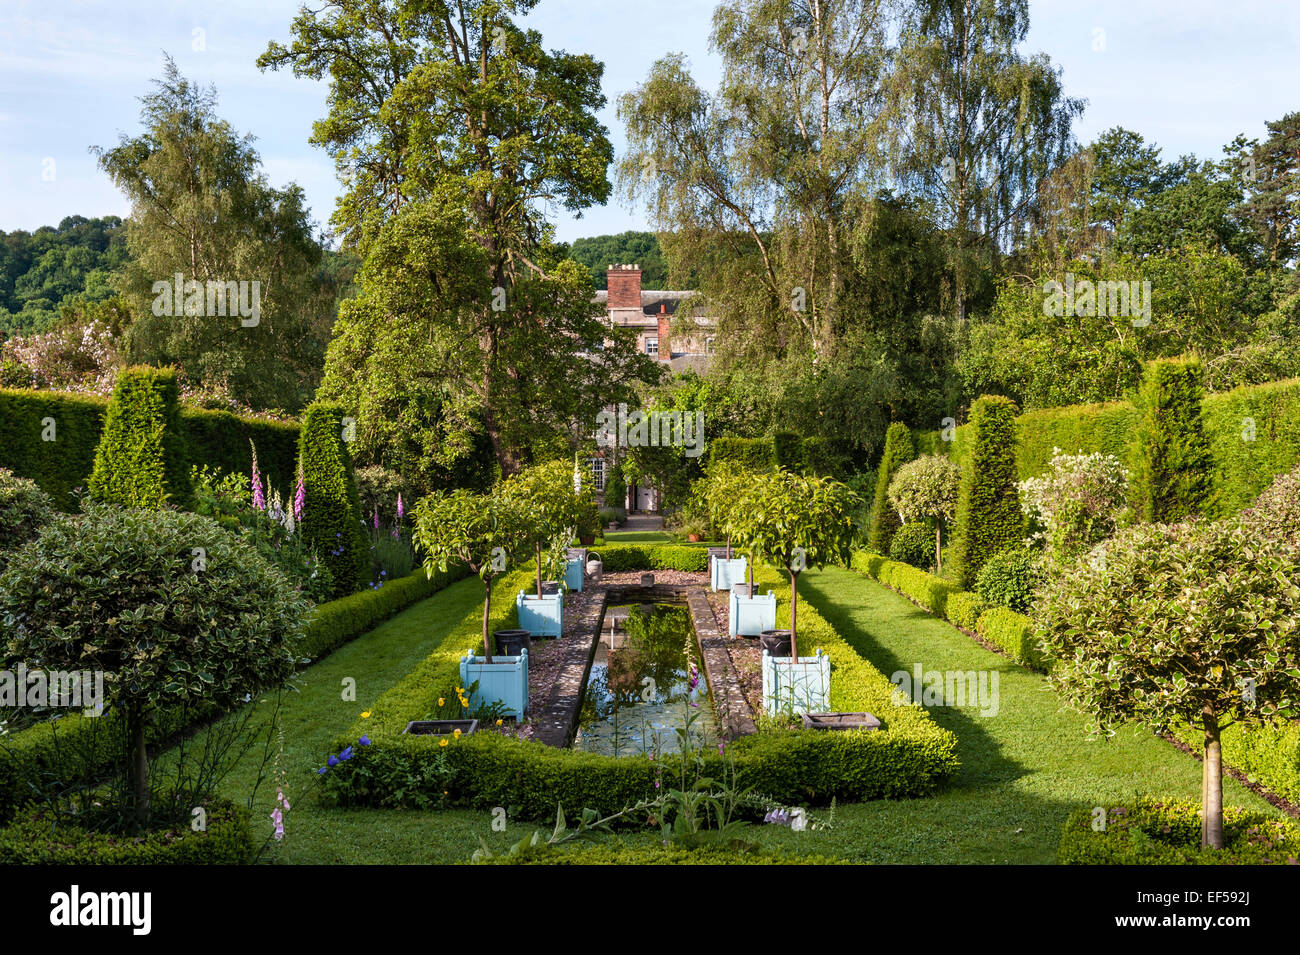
pixel 455 106
pixel 980 124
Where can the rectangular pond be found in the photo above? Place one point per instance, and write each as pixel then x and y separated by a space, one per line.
pixel 647 687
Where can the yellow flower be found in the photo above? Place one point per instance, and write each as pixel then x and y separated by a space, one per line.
pixel 499 722
pixel 365 715
pixel 456 733
pixel 441 701
pixel 460 690
pixel 442 742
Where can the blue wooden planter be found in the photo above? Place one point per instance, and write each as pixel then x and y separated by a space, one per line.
pixel 541 616
pixel 750 616
pixel 803 687
pixel 504 681
pixel 573 572
pixel 724 573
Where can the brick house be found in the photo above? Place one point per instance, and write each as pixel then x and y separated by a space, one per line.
pixel 669 328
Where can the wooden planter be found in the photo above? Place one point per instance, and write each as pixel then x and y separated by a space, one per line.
pixel 750 616
pixel 803 687
pixel 504 681
pixel 725 574
pixel 541 616
pixel 573 575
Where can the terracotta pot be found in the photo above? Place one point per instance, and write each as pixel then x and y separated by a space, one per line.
pixel 693 538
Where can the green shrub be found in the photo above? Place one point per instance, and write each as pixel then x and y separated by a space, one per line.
pixel 746 454
pixel 788 448
pixel 913 544
pixel 51 438
pixel 331 520
pixel 884 519
pixel 926 589
pixel 1014 633
pixel 35 839
pixel 683 557
pixel 1151 832
pixel 826 457
pixel 1173 472
pixel 24 510
pixel 1269 755
pixel 615 492
pixel 1275 514
pixel 1010 578
pixel 866 562
pixel 141 460
pixel 988 506
pixel 964 609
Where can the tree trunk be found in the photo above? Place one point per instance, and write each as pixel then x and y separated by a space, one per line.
pixel 539 568
pixel 487 609
pixel 794 617
pixel 938 548
pixel 1212 786
pixel 139 767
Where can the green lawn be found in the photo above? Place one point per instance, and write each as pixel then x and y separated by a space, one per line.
pixel 640 537
pixel 1022 771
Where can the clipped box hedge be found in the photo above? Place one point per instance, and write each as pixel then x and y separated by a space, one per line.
pixel 1268 756
pixel 1169 833
pixel 227 840
pixel 1011 631
pixel 620 557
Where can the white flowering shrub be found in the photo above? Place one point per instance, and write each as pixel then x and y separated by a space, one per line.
pixel 1080 501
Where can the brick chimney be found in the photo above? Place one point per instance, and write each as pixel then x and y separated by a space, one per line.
pixel 624 283
pixel 665 353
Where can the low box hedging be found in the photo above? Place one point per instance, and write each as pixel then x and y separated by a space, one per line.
pixel 335 622
pixel 964 609
pixel 227 840
pixel 909 756
pixel 929 591
pixel 1169 833
pixel 1269 756
pixel 621 557
pixel 1014 633
pixel 617 854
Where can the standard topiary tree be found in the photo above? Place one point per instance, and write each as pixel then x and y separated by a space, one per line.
pixel 141 457
pixel 925 490
pixel 546 502
pixel 989 518
pixel 175 610
pixel 484 532
pixel 1186 624
pixel 1173 469
pixel 804 522
pixel 331 521
pixel 884 519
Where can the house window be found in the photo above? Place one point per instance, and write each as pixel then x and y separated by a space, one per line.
pixel 652 347
pixel 597 466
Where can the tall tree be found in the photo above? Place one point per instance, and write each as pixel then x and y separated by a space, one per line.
pixel 201 207
pixel 1270 173
pixel 981 123
pixel 453 105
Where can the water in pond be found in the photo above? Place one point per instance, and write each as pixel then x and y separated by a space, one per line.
pixel 646 684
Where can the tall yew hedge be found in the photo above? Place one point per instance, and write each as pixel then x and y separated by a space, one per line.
pixel 332 513
pixel 1173 469
pixel 989 518
pixel 141 460
pixel 884 519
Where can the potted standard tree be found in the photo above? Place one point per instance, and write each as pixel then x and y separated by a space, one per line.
pixel 720 494
pixel 803 522
pixel 485 532
pixel 549 510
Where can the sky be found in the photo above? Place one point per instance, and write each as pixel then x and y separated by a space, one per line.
pixel 1187 74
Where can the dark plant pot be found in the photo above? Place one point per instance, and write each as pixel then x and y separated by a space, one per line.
pixel 718 552
pixel 647 580
pixel 440 727
pixel 840 721
pixel 586 539
pixel 776 642
pixel 550 587
pixel 510 642
pixel 743 590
